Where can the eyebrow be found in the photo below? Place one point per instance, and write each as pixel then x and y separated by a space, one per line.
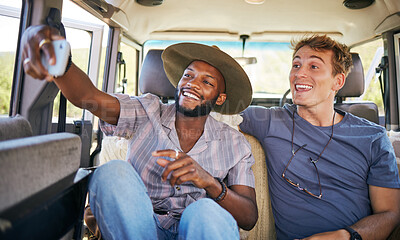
pixel 312 56
pixel 210 76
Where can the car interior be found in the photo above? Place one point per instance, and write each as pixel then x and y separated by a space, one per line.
pixel 49 148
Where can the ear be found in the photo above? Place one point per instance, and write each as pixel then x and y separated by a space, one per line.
pixel 340 80
pixel 221 99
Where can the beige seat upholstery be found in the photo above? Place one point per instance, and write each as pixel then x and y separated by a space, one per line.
pixel 265 227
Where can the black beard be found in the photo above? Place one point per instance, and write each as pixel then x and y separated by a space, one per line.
pixel 200 110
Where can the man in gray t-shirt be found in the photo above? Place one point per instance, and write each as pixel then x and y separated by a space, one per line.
pixel 332 175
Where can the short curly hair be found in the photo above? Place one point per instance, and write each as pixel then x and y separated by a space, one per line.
pixel 341 59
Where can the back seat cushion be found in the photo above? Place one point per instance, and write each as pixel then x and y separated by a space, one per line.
pixel 31 164
pixel 112 148
pixel 14 127
pixel 265 226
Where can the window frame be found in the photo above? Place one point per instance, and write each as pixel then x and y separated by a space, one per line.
pixel 96 32
pixel 126 40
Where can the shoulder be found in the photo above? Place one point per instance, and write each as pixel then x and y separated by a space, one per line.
pixel 148 97
pixel 363 125
pixel 145 98
pixel 221 126
pixel 264 114
pixel 151 103
pixel 223 131
pixel 359 128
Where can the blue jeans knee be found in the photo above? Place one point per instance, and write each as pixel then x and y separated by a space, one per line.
pixel 115 175
pixel 206 219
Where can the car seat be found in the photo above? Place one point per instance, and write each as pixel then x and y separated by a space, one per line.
pixel 354 87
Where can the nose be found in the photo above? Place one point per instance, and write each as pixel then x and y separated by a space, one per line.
pixel 194 82
pixel 301 72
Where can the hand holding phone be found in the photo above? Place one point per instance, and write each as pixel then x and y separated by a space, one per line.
pixel 62 50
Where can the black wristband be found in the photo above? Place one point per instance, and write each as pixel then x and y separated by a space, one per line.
pixel 353 234
pixel 223 193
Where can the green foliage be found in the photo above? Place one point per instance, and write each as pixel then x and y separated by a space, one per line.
pixel 6 74
pixel 81 58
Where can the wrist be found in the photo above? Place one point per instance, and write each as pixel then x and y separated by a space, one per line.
pixel 221 196
pixel 344 234
pixel 353 234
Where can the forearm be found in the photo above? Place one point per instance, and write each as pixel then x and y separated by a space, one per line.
pixel 242 208
pixel 377 226
pixel 75 86
pixel 80 91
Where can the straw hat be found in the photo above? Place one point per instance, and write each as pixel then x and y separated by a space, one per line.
pixel 237 84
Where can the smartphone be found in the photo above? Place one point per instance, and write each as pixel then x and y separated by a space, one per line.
pixel 62 51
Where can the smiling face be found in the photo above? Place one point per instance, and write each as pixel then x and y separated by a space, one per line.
pixel 311 80
pixel 200 87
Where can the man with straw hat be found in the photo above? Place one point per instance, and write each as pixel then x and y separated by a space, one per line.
pixel 187 175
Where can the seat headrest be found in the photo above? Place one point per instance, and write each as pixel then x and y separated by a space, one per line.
pixel 152 76
pixel 354 85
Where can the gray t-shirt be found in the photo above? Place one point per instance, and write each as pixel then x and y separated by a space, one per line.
pixel 359 154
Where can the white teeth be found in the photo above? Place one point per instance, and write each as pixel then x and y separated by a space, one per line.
pixel 186 94
pixel 303 87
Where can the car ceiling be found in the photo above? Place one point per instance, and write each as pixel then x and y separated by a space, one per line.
pixel 278 20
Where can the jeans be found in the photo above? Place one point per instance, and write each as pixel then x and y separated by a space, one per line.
pixel 123 210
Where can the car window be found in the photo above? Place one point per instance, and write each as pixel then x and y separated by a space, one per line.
pixel 9 24
pixel 269 75
pixel 371 54
pixel 81 38
pixel 126 76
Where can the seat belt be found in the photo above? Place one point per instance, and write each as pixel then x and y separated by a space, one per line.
pixel 121 83
pixel 53 19
pixel 381 71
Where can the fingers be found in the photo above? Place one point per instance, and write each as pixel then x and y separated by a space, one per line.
pixel 175 154
pixel 183 169
pixel 184 174
pixel 180 172
pixel 177 168
pixel 46 46
pixel 32 69
pixel 171 166
pixel 162 162
pixel 37 40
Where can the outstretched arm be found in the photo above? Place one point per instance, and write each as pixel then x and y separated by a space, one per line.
pixel 74 84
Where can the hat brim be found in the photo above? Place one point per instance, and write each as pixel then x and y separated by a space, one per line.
pixel 238 88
